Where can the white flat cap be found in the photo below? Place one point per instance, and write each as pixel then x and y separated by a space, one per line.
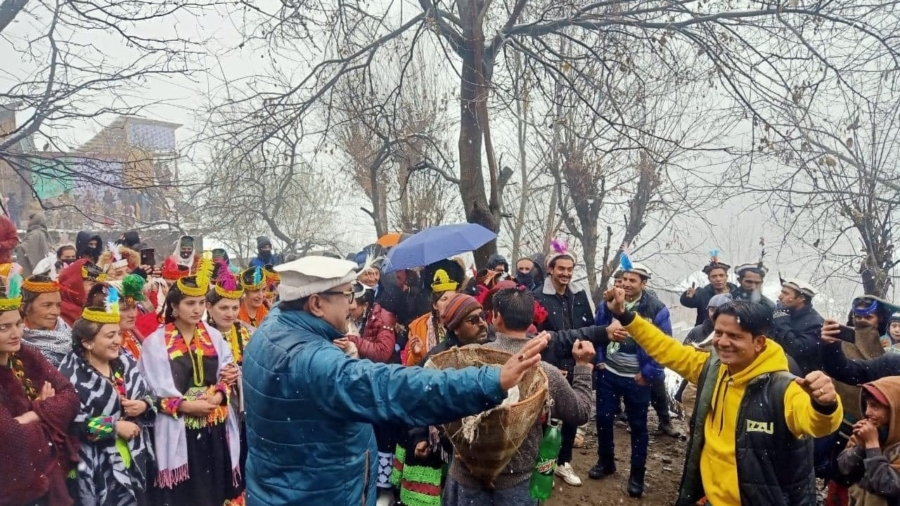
pixel 313 274
pixel 641 270
pixel 800 286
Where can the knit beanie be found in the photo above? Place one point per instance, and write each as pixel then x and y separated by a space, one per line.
pixel 458 308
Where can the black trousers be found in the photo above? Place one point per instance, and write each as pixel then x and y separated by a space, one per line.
pixel 659 399
pixel 568 443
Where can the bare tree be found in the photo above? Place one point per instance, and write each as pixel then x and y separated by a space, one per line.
pixel 832 178
pixel 733 41
pixel 270 186
pixel 72 63
pixel 391 128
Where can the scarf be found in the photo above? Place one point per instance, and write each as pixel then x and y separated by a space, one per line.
pixel 170 434
pixel 238 344
pixel 54 344
pixel 101 408
pixel 261 313
pixel 131 343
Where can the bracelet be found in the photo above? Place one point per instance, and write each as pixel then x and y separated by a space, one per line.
pixel 170 405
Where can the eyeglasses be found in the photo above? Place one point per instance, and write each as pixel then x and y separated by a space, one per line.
pixel 475 319
pixel 349 294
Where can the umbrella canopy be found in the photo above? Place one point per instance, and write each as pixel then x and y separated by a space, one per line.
pixel 389 240
pixel 437 243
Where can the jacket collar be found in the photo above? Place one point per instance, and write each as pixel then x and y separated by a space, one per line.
pixel 548 289
pixel 308 322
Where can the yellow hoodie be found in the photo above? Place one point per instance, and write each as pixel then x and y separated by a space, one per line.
pixel 718 468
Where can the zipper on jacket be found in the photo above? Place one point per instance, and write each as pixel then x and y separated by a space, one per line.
pixel 365 489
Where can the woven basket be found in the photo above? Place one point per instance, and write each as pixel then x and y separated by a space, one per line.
pixel 501 432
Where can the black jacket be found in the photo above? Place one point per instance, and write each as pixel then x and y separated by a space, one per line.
pixel 81 245
pixel 701 299
pixel 571 311
pixel 775 468
pixel 857 372
pixel 799 333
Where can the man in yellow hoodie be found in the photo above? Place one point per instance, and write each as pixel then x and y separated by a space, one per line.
pixel 753 425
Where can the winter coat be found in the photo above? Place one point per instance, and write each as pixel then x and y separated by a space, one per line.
pixel 799 332
pixel 574 303
pixel 9 239
pixel 34 246
pixel 72 295
pixel 303 393
pixel 378 339
pixel 701 298
pixel 876 471
pixel 713 453
pixel 653 310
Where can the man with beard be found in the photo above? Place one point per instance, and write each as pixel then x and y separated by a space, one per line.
pixel 629 374
pixel 568 308
pixel 750 281
pixel 698 298
pixel 852 364
pixel 465 322
pixel 796 326
pixel 264 254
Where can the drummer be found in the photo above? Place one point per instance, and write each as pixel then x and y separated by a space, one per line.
pixel 329 409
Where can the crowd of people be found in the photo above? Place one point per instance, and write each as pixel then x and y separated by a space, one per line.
pixel 314 381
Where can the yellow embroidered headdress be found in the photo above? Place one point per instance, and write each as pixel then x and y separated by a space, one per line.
pixel 203 278
pixel 12 300
pixel 109 314
pixel 252 279
pixel 34 286
pixel 92 272
pixel 227 285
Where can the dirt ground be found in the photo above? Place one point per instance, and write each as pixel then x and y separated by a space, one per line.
pixel 664 465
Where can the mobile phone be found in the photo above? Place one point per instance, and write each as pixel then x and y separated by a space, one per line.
pixel 148 256
pixel 847 334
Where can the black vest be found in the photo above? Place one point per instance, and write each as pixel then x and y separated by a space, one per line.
pixel 774 467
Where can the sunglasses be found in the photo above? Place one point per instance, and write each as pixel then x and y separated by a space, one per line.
pixel 475 319
pixel 349 294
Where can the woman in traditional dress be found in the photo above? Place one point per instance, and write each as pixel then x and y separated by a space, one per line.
pixel 254 306
pixel 44 329
pixel 116 415
pixel 190 368
pixel 223 304
pixel 131 293
pixel 37 405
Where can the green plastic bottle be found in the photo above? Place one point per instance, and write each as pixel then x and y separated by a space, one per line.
pixel 541 485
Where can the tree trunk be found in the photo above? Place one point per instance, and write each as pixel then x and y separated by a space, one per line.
pixel 471 134
pixel 522 129
pixel 379 207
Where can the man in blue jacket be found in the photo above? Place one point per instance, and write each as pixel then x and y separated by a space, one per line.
pixel 627 373
pixel 310 408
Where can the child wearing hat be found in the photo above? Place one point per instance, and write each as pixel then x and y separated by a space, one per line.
pixel 890 341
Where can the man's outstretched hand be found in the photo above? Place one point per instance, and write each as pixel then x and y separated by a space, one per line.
pixel 615 300
pixel 523 361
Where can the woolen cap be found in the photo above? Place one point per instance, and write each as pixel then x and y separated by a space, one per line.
pixel 719 299
pixel 641 270
pixel 458 308
pixel 311 275
pixel 800 286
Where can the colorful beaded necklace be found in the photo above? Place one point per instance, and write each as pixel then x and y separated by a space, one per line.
pixel 15 365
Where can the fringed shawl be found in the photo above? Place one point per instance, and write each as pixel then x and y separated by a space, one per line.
pixel 170 433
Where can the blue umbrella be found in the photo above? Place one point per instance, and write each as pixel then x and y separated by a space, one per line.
pixel 437 243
